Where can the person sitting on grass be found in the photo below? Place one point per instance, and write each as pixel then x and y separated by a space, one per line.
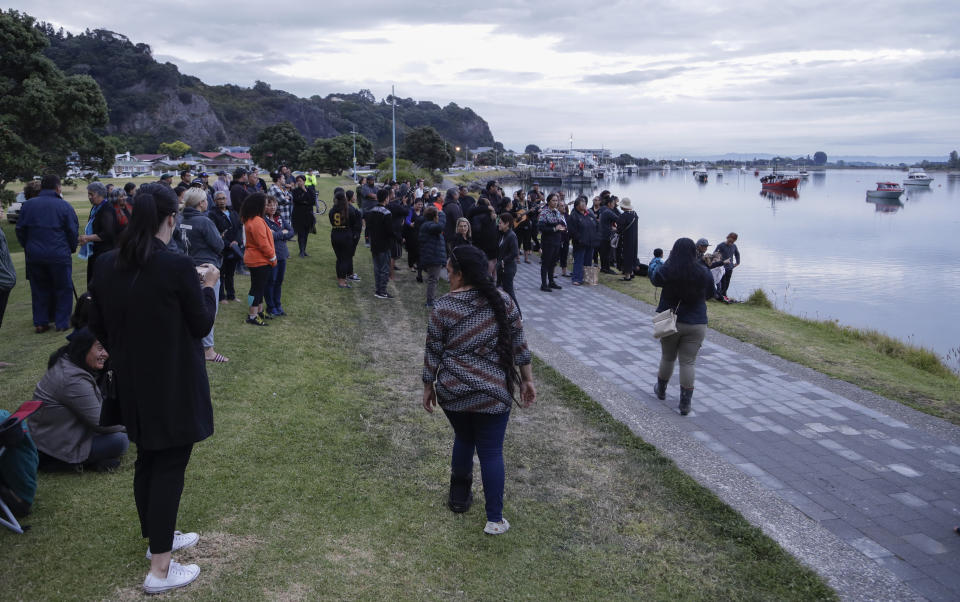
pixel 259 255
pixel 475 344
pixel 655 264
pixel 66 428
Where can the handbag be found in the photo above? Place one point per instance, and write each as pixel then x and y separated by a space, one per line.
pixel 665 322
pixel 591 275
pixel 615 240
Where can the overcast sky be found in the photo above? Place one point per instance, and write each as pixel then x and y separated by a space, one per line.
pixel 649 78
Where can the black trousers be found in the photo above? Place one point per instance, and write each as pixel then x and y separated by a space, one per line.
pixel 302 235
pixel 606 253
pixel 4 295
pixel 564 251
pixel 157 486
pixel 259 276
pixel 725 283
pixel 343 247
pixel 228 270
pixel 550 249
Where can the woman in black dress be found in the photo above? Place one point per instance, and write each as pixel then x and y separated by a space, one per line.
pixel 151 311
pixel 302 218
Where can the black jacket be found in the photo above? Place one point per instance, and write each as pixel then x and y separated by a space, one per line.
pixel 230 228
pixel 453 212
pixel 303 203
pixel 484 231
pixel 151 320
pixel 379 228
pixel 508 250
pixel 105 226
pixel 584 229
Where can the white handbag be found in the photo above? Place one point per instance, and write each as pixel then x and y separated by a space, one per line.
pixel 665 322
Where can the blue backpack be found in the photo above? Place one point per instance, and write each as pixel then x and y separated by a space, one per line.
pixel 655 264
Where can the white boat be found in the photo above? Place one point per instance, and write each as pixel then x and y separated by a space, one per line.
pixel 700 175
pixel 917 177
pixel 886 190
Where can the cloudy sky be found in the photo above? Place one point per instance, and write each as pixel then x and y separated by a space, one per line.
pixel 849 77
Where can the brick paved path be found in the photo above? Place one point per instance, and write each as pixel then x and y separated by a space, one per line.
pixel 885 488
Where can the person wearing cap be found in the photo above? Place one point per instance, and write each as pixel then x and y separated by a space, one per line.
pixel 728 252
pixel 627 228
pixel 166 179
pixel 713 262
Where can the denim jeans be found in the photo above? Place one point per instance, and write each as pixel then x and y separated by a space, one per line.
pixel 271 294
pixel 582 258
pixel 433 276
pixel 381 271
pixel 107 447
pixel 483 433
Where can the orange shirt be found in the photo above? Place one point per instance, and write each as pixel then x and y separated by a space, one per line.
pixel 260 250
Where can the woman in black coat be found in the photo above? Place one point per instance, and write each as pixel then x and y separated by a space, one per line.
pixel 151 313
pixel 483 227
pixel 627 228
pixel 302 218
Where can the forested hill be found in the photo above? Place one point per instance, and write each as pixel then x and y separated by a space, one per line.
pixel 152 102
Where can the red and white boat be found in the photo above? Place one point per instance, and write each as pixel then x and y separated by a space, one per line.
pixel 778 181
pixel 886 190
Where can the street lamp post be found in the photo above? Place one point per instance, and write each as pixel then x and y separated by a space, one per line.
pixel 458 153
pixel 354 132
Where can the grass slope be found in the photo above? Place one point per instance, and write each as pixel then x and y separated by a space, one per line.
pixel 326 480
pixel 866 358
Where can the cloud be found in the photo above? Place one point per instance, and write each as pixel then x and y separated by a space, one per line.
pixel 499 74
pixel 635 76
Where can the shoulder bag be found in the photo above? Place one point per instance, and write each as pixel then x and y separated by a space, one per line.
pixel 665 322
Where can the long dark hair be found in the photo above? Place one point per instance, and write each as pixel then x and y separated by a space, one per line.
pixel 152 205
pixel 341 206
pixel 685 271
pixel 253 206
pixel 76 350
pixel 471 262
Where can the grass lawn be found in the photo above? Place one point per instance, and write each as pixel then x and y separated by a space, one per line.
pixel 868 359
pixel 326 479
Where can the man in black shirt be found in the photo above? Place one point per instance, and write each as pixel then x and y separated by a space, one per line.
pixel 380 230
pixel 728 251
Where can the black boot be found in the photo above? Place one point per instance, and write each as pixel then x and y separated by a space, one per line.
pixel 686 396
pixel 461 493
pixel 660 389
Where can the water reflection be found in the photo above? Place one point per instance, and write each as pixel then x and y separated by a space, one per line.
pixel 885 205
pixel 917 193
pixel 819 178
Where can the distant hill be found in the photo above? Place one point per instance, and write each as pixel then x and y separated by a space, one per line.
pixel 152 102
pixel 850 159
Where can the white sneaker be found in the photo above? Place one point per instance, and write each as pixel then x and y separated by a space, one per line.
pixel 180 541
pixel 496 528
pixel 178 575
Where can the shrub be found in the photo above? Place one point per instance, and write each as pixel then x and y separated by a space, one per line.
pixel 758 298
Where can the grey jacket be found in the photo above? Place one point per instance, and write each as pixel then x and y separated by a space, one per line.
pixel 8 275
pixel 201 239
pixel 69 418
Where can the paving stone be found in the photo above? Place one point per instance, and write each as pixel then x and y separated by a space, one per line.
pixel 901 569
pixel 909 499
pixel 870 548
pixel 932 590
pixel 925 543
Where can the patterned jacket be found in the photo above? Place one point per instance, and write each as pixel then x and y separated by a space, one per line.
pixel 460 354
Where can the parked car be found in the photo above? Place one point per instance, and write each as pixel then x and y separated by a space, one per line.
pixel 13 211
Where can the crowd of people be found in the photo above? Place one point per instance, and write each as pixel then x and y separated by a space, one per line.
pixel 172 252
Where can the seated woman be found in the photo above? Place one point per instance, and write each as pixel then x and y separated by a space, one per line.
pixel 67 427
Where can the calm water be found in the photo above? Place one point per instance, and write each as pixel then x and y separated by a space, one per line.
pixel 826 254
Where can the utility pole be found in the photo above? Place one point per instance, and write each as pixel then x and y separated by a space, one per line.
pixel 354 132
pixel 393 97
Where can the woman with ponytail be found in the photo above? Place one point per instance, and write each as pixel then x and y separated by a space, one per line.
pixel 475 345
pixel 151 312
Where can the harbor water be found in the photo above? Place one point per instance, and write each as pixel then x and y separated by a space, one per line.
pixel 827 252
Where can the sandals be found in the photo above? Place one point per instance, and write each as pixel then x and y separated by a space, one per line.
pixel 219 359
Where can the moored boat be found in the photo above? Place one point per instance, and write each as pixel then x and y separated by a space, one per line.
pixel 700 175
pixel 917 177
pixel 778 181
pixel 886 190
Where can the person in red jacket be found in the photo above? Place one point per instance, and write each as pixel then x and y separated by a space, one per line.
pixel 259 255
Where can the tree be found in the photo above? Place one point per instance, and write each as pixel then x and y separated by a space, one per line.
pixel 427 148
pixel 954 161
pixel 819 158
pixel 532 149
pixel 278 144
pixel 333 155
pixel 45 115
pixel 175 149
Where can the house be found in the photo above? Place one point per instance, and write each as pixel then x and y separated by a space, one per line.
pixel 126 165
pixel 225 161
